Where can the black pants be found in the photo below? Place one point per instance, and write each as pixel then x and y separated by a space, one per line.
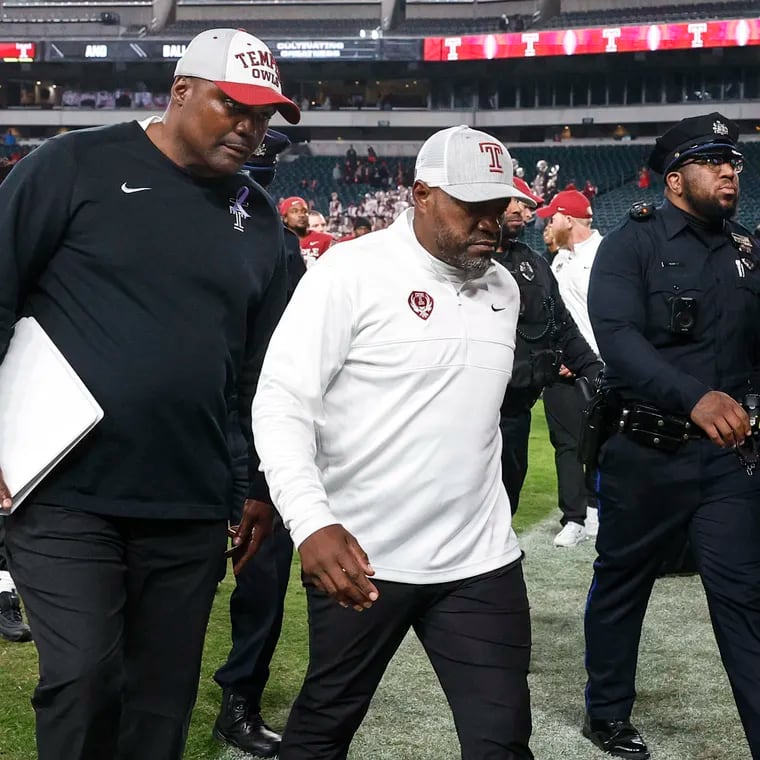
pixel 476 633
pixel 515 432
pixel 258 599
pixel 118 608
pixel 256 608
pixel 3 558
pixel 564 414
pixel 646 497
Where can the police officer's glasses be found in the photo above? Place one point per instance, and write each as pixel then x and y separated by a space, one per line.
pixel 716 160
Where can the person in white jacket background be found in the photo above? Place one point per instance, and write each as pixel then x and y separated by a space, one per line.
pixel 377 423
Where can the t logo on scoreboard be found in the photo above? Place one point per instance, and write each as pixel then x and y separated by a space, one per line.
pixel 494 152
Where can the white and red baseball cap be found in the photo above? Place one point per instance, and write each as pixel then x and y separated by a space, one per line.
pixel 241 66
pixel 467 164
pixel 525 188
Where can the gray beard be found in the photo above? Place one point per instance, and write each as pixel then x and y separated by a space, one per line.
pixel 472 266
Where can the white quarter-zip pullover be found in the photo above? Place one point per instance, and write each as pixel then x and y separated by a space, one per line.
pixel 378 408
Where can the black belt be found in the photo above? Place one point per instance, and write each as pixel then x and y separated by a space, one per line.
pixel 654 428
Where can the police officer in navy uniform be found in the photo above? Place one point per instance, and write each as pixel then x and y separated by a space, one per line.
pixel 547 337
pixel 674 302
pixel 257 601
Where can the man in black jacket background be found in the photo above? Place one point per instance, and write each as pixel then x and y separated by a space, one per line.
pixel 547 339
pixel 258 599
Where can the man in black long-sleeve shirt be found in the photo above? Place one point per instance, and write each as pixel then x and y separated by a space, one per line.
pixel 258 599
pixel 158 271
pixel 547 338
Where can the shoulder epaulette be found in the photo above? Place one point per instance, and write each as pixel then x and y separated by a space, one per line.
pixel 642 211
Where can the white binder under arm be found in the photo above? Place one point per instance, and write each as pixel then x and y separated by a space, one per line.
pixel 45 409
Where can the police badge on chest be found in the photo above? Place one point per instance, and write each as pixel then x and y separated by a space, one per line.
pixel 745 261
pixel 527 271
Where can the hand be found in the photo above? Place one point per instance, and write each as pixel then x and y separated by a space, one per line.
pixel 334 562
pixel 255 526
pixel 5 496
pixel 565 372
pixel 723 419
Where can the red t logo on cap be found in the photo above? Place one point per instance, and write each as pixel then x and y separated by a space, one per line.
pixel 495 152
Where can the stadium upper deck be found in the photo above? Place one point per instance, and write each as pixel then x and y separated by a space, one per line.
pixel 531 86
pixel 340 18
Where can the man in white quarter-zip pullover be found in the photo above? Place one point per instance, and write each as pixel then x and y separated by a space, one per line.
pixel 377 423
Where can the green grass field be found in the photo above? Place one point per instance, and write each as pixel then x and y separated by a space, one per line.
pixel 682 688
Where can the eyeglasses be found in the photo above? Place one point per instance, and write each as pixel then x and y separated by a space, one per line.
pixel 716 160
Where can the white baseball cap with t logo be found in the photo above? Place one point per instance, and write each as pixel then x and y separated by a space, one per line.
pixel 468 165
pixel 241 66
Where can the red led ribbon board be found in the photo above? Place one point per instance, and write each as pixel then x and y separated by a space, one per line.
pixel 616 39
pixel 17 51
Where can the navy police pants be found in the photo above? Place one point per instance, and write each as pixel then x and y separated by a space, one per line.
pixel 646 498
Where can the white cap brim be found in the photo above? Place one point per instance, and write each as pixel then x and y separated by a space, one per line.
pixel 478 192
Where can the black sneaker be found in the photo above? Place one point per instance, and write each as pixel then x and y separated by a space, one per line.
pixel 12 625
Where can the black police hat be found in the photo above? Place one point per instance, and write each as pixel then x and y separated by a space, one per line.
pixel 710 133
pixel 266 154
pixel 262 163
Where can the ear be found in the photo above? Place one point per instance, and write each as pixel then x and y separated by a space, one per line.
pixel 421 194
pixel 181 89
pixel 674 183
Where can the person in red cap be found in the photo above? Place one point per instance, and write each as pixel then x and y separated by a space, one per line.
pixel 156 266
pixel 295 216
pixel 569 217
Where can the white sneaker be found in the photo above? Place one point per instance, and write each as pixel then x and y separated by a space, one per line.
pixel 571 535
pixel 592 522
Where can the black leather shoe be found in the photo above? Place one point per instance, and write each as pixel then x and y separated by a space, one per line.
pixel 247 731
pixel 616 737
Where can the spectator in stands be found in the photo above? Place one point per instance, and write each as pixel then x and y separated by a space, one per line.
pixel 120 551
pixel 351 157
pixel 317 222
pixel 644 178
pixel 295 215
pixel 257 601
pixel 335 208
pixel 446 561
pixel 569 216
pixel 590 190
pixel 362 226
pixel 337 174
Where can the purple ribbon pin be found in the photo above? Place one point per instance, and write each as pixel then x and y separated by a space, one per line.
pixel 240 198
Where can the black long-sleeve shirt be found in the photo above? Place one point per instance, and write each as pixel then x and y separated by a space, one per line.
pixel 640 268
pixel 544 325
pixel 161 290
